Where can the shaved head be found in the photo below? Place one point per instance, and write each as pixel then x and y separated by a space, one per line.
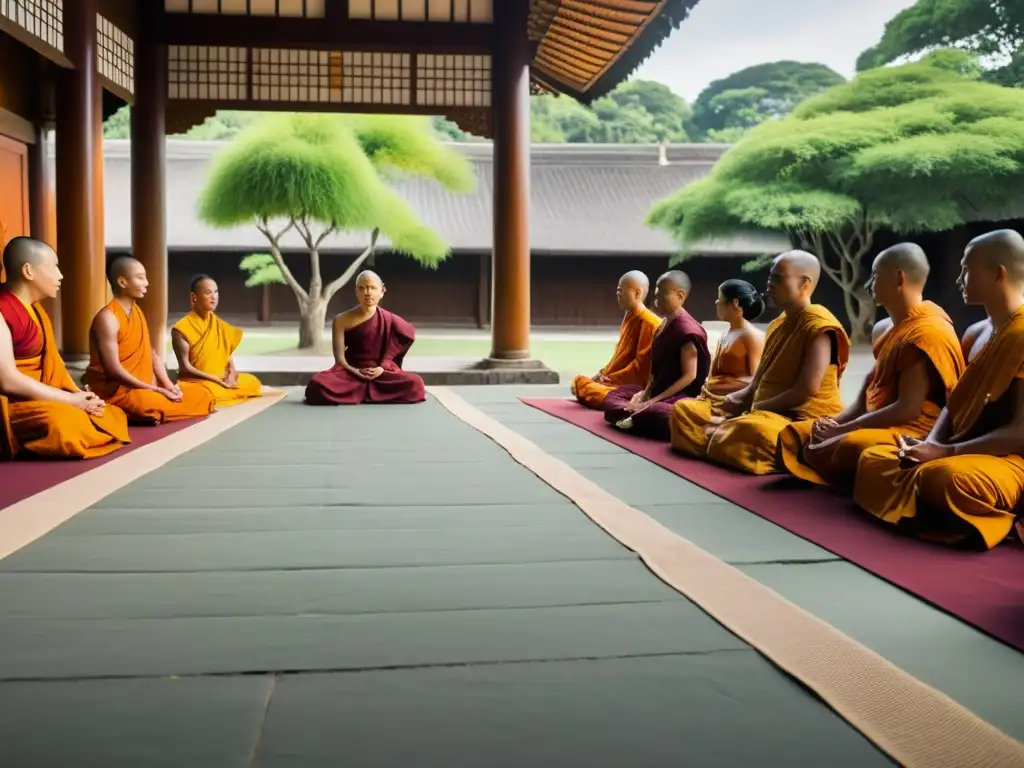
pixel 127 277
pixel 1002 248
pixel 678 279
pixel 632 290
pixel 122 266
pixel 369 290
pixel 637 279
pixel 368 274
pixel 908 258
pixel 805 264
pixel 21 251
pixel 671 292
pixel 793 277
pixel 32 270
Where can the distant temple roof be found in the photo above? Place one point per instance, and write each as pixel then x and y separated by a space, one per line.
pixel 585 198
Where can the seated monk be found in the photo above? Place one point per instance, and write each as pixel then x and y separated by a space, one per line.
pixel 631 360
pixel 370 344
pixel 961 483
pixel 205 346
pixel 44 412
pixel 125 369
pixel 739 350
pixel 917 364
pixel 805 353
pixel 680 361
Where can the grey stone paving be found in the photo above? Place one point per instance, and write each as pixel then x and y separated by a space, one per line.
pixel 984 675
pixel 377 587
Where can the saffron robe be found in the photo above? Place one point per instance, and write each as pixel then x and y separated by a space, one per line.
pixel 135 351
pixel 211 343
pixel 666 369
pixel 748 442
pixel 960 499
pixel 383 340
pixel 927 331
pixel 729 363
pixel 630 363
pixel 45 428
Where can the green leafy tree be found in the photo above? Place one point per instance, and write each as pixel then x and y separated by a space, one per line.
pixel 637 112
pixel 322 174
pixel 992 30
pixel 261 269
pixel 756 94
pixel 915 148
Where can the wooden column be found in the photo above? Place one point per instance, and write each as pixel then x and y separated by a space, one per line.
pixel 83 290
pixel 149 215
pixel 41 207
pixel 510 99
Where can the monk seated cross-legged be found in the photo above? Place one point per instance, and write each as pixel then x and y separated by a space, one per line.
pixel 205 346
pixel 738 352
pixel 43 412
pixel 805 353
pixel 631 360
pixel 680 361
pixel 370 344
pixel 917 364
pixel 125 369
pixel 961 484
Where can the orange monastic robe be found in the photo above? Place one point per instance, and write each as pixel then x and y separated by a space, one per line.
pixel 45 428
pixel 211 343
pixel 927 331
pixel 630 363
pixel 961 498
pixel 136 354
pixel 748 442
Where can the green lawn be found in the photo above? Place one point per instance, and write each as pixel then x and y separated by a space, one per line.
pixel 564 356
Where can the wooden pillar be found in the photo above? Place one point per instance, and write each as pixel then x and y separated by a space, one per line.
pixel 82 292
pixel 41 207
pixel 149 216
pixel 510 99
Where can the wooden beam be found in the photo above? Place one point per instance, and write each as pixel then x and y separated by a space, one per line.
pixel 270 32
pixel 16 127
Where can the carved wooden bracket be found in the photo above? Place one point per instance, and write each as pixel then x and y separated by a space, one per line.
pixel 475 120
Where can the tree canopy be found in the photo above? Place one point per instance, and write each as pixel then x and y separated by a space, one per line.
pixel 990 29
pixel 315 168
pixel 919 147
pixel 730 106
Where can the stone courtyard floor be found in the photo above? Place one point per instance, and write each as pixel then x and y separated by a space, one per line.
pixel 388 587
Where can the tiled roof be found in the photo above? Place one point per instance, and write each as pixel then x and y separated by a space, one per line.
pixel 585 199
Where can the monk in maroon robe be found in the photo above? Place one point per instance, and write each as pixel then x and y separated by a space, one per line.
pixel 370 344
pixel 680 362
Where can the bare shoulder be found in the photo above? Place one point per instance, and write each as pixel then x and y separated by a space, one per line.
pixel 105 321
pixel 752 335
pixel 347 319
pixel 881 328
pixel 977 329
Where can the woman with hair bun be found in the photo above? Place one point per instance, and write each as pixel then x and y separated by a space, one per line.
pixel 736 356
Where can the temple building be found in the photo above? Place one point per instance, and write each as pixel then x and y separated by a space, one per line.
pixel 65 65
pixel 587 209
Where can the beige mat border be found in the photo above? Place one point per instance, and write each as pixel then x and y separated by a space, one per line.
pixel 913 723
pixel 34 517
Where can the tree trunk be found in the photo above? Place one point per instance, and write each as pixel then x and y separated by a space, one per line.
pixel 311 326
pixel 861 310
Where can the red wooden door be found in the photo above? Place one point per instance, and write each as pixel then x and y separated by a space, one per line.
pixel 14 216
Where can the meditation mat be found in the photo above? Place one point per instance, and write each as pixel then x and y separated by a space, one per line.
pixel 984 589
pixel 28 476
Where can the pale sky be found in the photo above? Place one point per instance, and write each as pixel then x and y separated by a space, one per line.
pixel 723 36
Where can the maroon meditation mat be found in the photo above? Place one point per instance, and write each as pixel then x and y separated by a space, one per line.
pixel 28 476
pixel 984 589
